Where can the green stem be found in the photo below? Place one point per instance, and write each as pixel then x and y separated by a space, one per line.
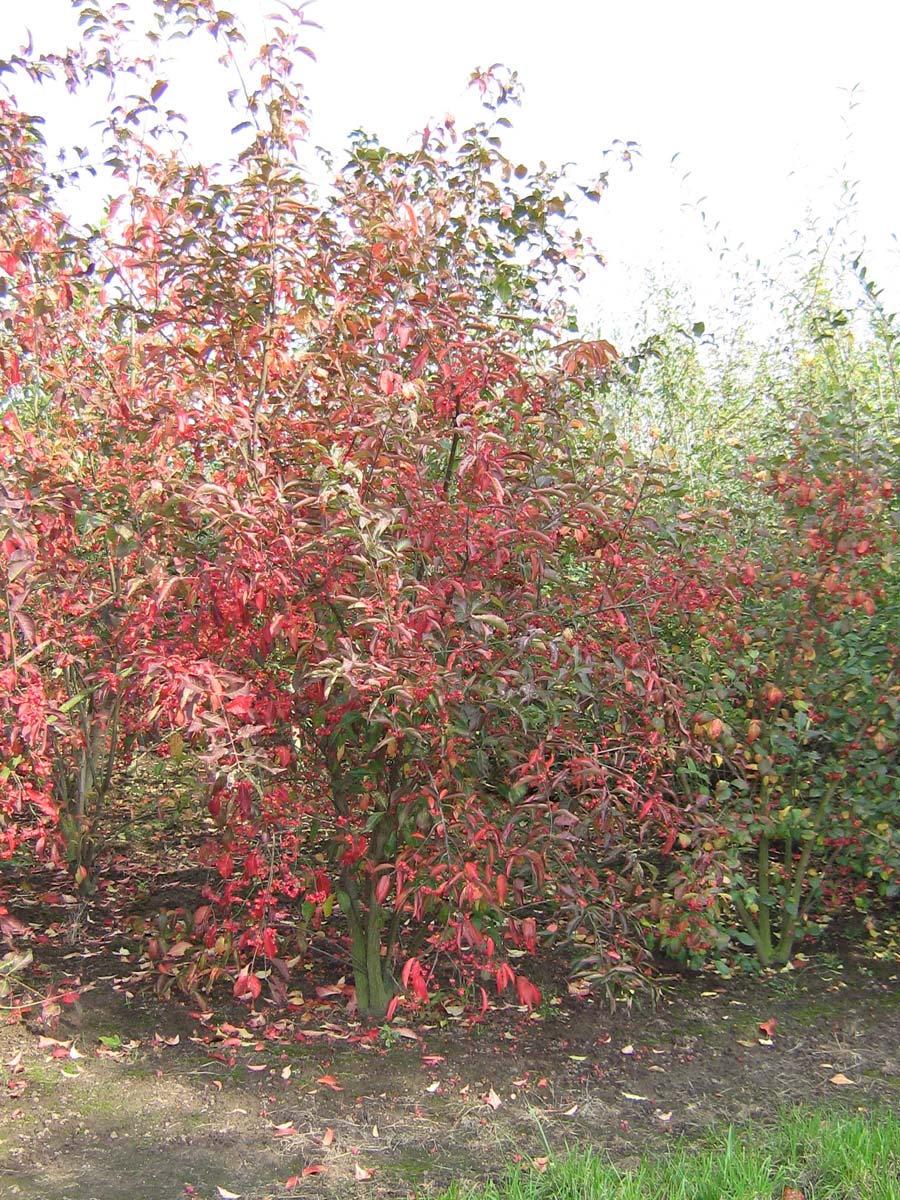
pixel 765 897
pixel 749 924
pixel 792 908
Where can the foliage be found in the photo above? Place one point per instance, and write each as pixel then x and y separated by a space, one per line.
pixel 309 498
pixel 308 486
pixel 793 676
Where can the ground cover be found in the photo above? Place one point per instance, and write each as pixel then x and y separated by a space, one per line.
pixel 109 1090
pixel 803 1155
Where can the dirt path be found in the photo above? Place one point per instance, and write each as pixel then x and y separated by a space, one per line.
pixel 171 1105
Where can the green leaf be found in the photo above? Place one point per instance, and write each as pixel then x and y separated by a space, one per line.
pixel 743 937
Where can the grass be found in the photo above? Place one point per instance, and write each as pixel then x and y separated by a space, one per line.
pixel 821 1156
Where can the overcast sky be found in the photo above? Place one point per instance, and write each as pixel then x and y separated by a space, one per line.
pixel 754 114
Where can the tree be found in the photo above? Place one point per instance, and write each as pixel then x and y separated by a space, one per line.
pixel 322 494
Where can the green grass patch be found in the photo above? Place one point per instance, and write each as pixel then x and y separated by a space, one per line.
pixel 821 1156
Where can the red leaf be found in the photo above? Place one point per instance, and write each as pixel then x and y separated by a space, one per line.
pixel 528 994
pixel 11 926
pixel 11 362
pixel 529 934
pixel 413 978
pixel 504 977
pixel 382 887
pixel 331 1082
pixel 247 984
pixel 767 1027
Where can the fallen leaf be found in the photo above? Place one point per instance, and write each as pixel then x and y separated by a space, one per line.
pixel 765 1041
pixel 841 1080
pixel 634 1096
pixel 432 1060
pixel 433 1087
pixel 570 1112
pixel 743 1042
pixel 768 1027
pixel 493 1100
pixel 790 1193
pixel 662 1116
pixel 11 926
pixel 313 1169
pixel 629 1049
pixel 291 1182
pixel 375 1132
pixel 226 1195
pixel 286 1130
pixel 331 1082
pixel 285 1072
pixel 362 1173
pixel 541 1164
pixel 328 1137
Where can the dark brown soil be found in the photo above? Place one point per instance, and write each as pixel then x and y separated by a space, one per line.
pixel 185 1105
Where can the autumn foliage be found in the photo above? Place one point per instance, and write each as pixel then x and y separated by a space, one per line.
pixel 305 484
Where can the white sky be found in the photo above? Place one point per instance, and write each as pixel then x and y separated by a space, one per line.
pixel 753 98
